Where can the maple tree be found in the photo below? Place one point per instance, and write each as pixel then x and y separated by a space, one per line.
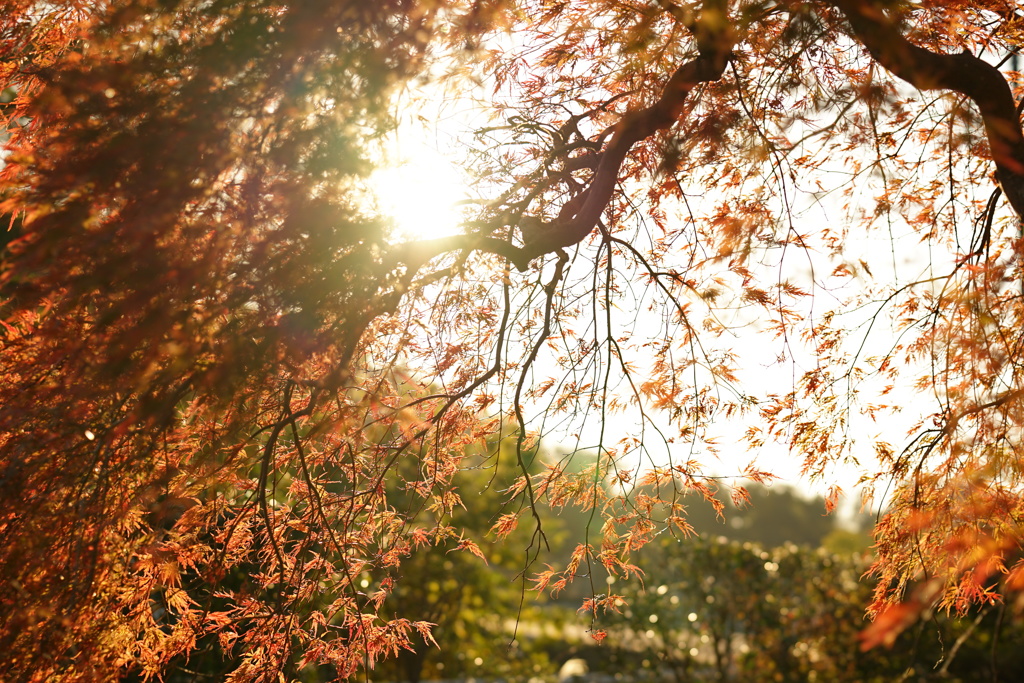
pixel 211 342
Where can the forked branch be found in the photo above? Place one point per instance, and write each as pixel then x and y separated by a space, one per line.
pixel 577 218
pixel 963 73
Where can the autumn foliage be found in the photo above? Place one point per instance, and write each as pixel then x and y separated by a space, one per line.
pixel 218 362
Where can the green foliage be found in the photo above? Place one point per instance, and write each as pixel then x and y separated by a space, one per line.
pixel 721 610
pixel 475 601
pixel 772 517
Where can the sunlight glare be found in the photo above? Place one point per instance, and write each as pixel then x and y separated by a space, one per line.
pixel 421 192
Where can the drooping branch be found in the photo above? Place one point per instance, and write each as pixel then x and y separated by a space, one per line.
pixel 964 73
pixel 715 38
pixel 577 217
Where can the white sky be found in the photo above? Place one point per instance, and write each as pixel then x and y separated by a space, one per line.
pixel 423 193
pixel 425 188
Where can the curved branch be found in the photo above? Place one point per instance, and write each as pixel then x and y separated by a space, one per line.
pixel 964 73
pixel 577 218
pixel 549 291
pixel 715 38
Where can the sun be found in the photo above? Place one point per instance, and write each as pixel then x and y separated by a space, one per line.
pixel 422 190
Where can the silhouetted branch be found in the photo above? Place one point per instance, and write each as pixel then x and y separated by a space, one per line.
pixel 964 73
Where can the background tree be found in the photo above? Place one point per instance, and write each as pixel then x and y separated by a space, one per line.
pixel 775 516
pixel 471 599
pixel 204 322
pixel 717 609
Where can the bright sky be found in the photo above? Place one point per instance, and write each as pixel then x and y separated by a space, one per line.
pixel 421 185
pixel 422 188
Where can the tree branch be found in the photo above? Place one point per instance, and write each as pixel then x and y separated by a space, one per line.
pixel 715 38
pixel 577 218
pixel 963 73
pixel 417 253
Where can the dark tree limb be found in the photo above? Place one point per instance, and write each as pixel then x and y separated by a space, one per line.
pixel 414 255
pixel 577 218
pixel 964 73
